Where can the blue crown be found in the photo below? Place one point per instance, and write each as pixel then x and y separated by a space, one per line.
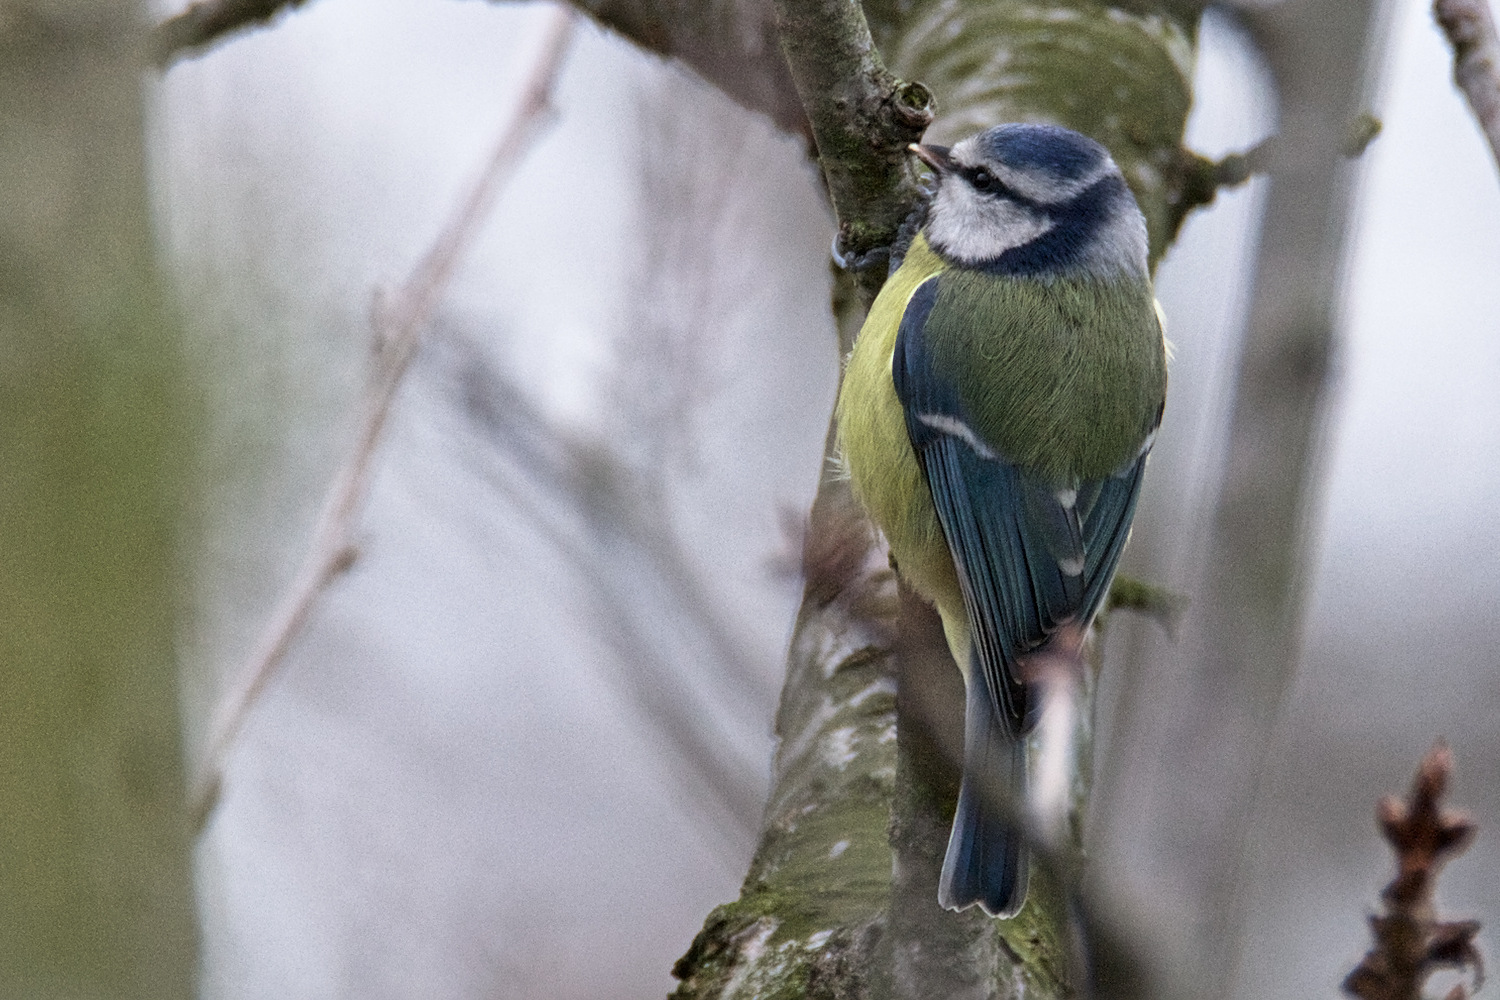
pixel 1058 151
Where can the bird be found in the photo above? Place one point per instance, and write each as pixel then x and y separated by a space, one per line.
pixel 995 417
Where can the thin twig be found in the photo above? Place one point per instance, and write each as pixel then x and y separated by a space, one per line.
pixel 1411 943
pixel 1476 60
pixel 399 319
pixel 583 501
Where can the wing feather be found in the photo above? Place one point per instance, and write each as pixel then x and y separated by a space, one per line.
pixel 1031 556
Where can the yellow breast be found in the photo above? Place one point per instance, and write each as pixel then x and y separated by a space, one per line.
pixel 887 478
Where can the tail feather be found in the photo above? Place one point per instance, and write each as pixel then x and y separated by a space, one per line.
pixel 986 862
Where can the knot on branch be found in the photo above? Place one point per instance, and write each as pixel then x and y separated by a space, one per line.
pixel 891 115
pixel 1410 942
pixel 913 108
pixel 872 240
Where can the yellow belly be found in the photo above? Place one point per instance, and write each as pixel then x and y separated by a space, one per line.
pixel 885 474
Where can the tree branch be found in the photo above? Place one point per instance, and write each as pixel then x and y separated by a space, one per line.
pixel 399 321
pixel 1199 179
pixel 208 21
pixel 730 43
pixel 862 118
pixel 813 904
pixel 100 399
pixel 1470 29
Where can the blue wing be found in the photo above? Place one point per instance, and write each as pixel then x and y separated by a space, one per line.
pixel 1030 556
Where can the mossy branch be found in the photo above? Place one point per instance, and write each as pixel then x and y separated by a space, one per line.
pixel 1122 77
pixel 862 119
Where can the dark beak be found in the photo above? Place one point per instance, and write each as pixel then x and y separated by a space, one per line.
pixel 935 157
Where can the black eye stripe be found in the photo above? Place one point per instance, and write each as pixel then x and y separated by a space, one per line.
pixel 986 183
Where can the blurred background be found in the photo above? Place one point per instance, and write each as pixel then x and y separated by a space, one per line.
pixel 522 746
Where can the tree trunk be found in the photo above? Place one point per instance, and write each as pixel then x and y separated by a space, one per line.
pixel 94 850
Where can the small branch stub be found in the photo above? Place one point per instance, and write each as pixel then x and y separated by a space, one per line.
pixel 1198 179
pixel 1411 943
pixel 1163 606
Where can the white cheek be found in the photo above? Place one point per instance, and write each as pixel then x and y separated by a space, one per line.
pixel 973 228
pixel 1119 246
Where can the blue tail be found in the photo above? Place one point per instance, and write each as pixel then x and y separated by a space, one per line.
pixel 986 863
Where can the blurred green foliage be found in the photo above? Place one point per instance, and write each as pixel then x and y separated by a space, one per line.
pixel 95 892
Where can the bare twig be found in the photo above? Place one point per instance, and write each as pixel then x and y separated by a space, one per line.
pixel 399 319
pixel 1197 179
pixel 1410 942
pixel 1476 60
pixel 206 21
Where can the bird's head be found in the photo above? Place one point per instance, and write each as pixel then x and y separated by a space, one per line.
pixel 1033 199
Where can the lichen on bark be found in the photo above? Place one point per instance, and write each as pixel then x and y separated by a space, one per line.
pixel 810 920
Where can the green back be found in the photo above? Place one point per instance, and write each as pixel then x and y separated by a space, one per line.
pixel 1065 378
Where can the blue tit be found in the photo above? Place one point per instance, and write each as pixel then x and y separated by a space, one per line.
pixel 995 418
